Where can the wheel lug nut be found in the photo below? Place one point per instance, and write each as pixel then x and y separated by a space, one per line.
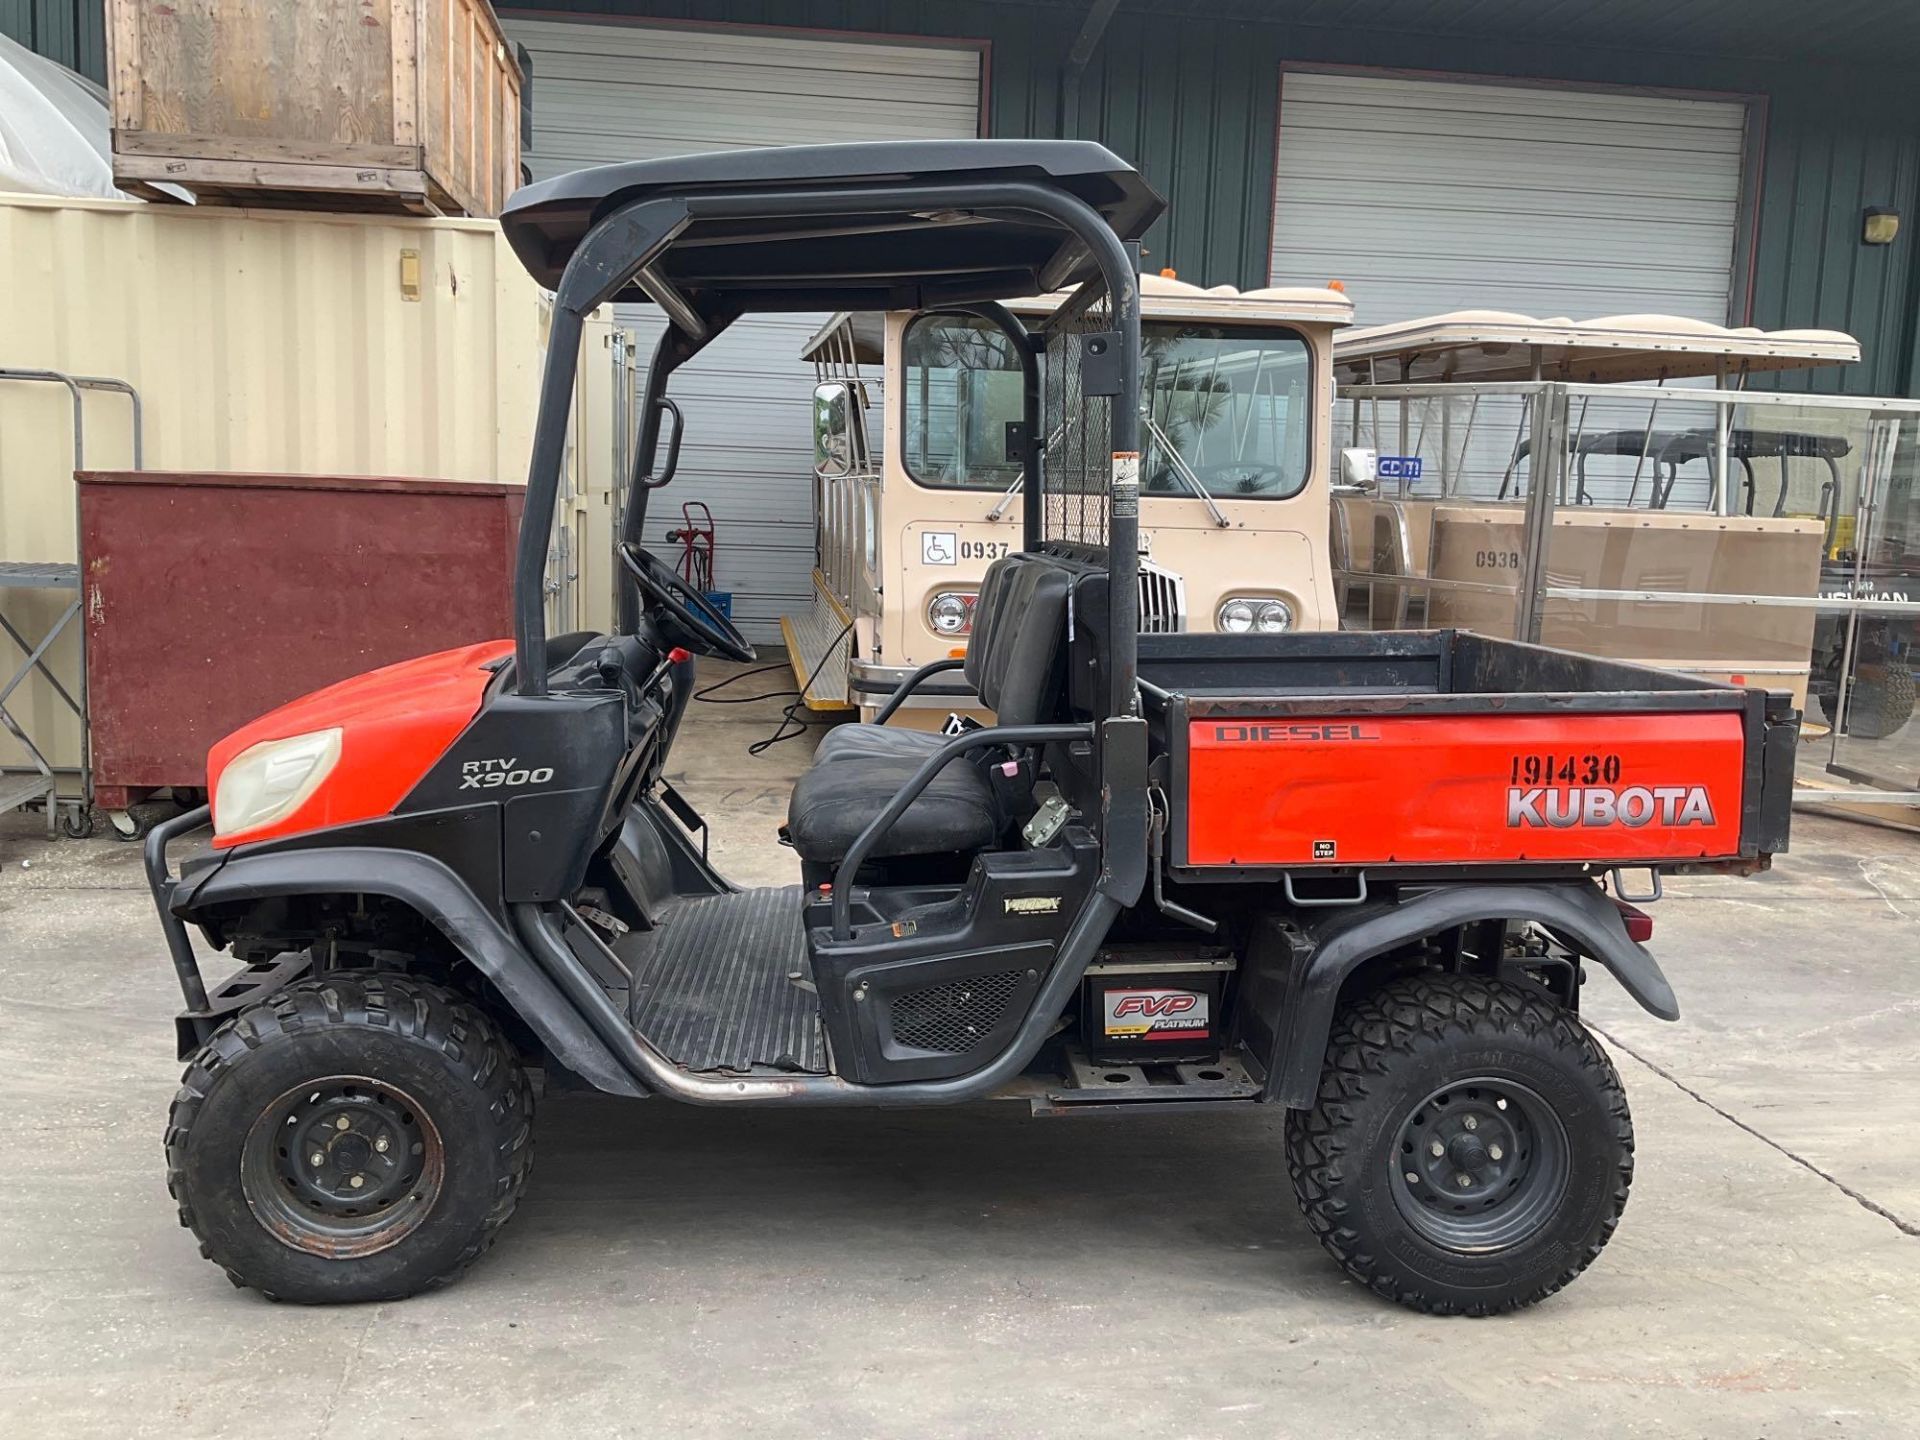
pixel 317 1158
pixel 1502 1104
pixel 1436 1149
pixel 1471 1123
pixel 357 1181
pixel 343 1123
pixel 1494 1152
pixel 1463 1180
pixel 381 1144
pixel 1412 1179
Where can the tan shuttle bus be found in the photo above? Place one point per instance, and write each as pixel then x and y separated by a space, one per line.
pixel 920 472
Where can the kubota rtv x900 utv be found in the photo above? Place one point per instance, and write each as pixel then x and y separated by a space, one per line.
pixel 1355 876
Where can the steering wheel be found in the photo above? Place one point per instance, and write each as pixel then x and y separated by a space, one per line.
pixel 707 630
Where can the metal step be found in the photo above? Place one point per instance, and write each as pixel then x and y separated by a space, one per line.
pixel 725 985
pixel 18 790
pixel 819 645
pixel 1089 1089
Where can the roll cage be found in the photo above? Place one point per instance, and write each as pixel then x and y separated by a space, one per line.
pixel 950 224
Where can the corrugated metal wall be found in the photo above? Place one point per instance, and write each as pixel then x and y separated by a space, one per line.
pixel 1825 163
pixel 71 31
pixel 1191 99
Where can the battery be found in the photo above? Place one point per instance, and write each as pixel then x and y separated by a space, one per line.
pixel 1153 1008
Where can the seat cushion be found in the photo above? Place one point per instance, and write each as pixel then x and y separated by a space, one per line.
pixel 877 742
pixel 832 803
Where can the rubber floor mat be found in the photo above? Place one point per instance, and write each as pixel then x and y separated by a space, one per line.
pixel 714 989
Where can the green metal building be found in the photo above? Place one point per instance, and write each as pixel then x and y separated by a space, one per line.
pixel 1817 116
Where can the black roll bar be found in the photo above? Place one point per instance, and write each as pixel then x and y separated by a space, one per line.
pixel 913 682
pixel 621 248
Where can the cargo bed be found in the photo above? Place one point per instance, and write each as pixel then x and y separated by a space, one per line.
pixel 1409 752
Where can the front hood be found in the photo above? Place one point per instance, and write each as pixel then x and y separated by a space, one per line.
pixel 395 722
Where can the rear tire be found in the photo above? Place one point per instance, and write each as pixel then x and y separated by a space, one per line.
pixel 1515 1096
pixel 353 1137
pixel 1879 705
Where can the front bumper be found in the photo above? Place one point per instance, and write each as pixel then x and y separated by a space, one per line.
pixel 871 684
pixel 206 1010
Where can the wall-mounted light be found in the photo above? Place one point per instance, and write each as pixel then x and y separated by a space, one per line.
pixel 1879 225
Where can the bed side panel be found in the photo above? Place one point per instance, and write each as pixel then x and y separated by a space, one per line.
pixel 1372 789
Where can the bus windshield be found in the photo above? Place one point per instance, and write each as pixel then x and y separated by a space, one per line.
pixel 1225 409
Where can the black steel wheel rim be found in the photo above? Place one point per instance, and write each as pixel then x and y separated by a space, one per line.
pixel 342 1167
pixel 1480 1165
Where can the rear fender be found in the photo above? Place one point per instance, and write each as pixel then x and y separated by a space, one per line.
pixel 445 901
pixel 1294 973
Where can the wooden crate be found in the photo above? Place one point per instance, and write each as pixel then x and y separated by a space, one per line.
pixel 331 104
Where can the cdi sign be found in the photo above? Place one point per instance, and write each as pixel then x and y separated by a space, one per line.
pixel 1400 467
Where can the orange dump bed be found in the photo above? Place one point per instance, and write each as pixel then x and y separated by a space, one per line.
pixel 1445 789
pixel 1442 749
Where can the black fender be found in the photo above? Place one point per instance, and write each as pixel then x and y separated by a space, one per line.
pixel 1296 974
pixel 446 902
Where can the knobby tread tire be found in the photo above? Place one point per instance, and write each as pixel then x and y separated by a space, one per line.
pixel 393 1005
pixel 1877 708
pixel 1379 1033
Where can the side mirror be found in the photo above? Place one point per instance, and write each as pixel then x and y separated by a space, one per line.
pixel 834 416
pixel 1359 472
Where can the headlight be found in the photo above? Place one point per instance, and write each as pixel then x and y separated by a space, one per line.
pixel 951 612
pixel 1239 614
pixel 1272 616
pixel 271 780
pixel 1236 617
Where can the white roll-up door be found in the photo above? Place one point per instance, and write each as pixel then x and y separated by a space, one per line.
pixel 606 92
pixel 1425 196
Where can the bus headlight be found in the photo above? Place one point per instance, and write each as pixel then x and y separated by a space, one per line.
pixel 951 612
pixel 1241 614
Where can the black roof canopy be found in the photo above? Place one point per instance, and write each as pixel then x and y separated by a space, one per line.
pixel 869 252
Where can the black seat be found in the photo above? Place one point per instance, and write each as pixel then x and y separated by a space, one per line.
pixel 1014 662
pixel 831 804
pixel 877 742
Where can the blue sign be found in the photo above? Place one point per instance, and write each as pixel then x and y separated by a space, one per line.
pixel 1400 467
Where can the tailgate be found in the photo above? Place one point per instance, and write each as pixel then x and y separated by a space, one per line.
pixel 1481 786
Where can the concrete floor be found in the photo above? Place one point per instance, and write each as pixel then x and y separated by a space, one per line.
pixel 980 1273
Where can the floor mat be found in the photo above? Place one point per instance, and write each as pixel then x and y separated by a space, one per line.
pixel 712 989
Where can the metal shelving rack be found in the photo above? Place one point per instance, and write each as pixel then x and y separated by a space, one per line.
pixel 41 783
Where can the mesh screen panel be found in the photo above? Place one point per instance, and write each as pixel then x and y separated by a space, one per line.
pixel 1077 450
pixel 953 1017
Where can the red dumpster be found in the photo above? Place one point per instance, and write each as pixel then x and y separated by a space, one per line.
pixel 212 598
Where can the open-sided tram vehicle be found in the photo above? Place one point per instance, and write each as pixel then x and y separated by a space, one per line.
pixel 1358 877
pixel 920 458
pixel 1666 492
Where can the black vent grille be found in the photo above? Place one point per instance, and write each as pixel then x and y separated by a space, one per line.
pixel 953 1017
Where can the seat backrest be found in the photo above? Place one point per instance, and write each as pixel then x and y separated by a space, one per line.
pixel 1017 654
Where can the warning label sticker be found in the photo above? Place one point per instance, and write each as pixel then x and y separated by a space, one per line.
pixel 1126 482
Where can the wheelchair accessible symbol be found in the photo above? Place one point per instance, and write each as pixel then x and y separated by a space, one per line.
pixel 937 547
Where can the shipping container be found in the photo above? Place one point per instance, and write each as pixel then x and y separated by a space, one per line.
pixel 267 342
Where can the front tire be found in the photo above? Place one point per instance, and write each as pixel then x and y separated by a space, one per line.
pixel 353 1137
pixel 1470 1149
